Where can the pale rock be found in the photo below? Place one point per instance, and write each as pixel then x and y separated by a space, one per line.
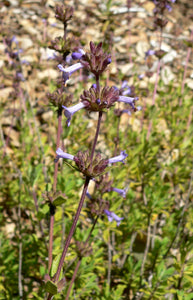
pixel 47 115
pixel 13 135
pixel 155 44
pixel 4 93
pixel 149 6
pixel 153 78
pixel 47 53
pixel 169 56
pixel 126 68
pixel 167 75
pixel 1 63
pixel 135 123
pixel 189 83
pixel 29 27
pixel 26 43
pixel 51 73
pixel 14 2
pixel 141 48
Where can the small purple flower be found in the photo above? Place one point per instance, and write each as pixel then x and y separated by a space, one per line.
pixel 67 72
pixel 14 39
pixel 118 158
pixel 112 216
pixel 94 86
pixel 69 111
pixel 141 76
pixel 109 60
pixel 149 53
pixel 19 76
pixel 62 154
pixel 122 192
pixel 127 91
pixel 78 55
pixel 124 84
pixel 169 8
pixel 128 100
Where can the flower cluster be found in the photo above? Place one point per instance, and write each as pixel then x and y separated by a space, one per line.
pixel 96 60
pixel 93 100
pixel 90 168
pixel 63 14
pixel 98 100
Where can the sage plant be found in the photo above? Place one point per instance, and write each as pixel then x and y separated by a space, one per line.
pixel 92 165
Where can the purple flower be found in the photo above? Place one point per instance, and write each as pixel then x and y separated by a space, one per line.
pixel 149 53
pixel 112 216
pixel 128 100
pixel 19 76
pixel 122 192
pixel 67 72
pixel 62 154
pixel 124 84
pixel 118 158
pixel 169 8
pixel 69 111
pixel 78 55
pixel 94 86
pixel 127 91
pixel 14 39
pixel 140 76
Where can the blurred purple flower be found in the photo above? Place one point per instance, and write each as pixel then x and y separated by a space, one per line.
pixel 94 86
pixel 149 53
pixel 119 158
pixel 19 76
pixel 61 154
pixel 112 216
pixel 69 111
pixel 169 8
pixel 78 54
pixel 129 100
pixel 141 76
pixel 122 192
pixel 67 72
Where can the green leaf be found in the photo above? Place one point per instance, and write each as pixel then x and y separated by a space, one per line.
pixel 51 288
pixel 55 264
pixel 59 200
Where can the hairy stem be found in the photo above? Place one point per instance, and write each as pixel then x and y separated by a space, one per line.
pixel 79 261
pixel 96 135
pixel 59 131
pixel 72 228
